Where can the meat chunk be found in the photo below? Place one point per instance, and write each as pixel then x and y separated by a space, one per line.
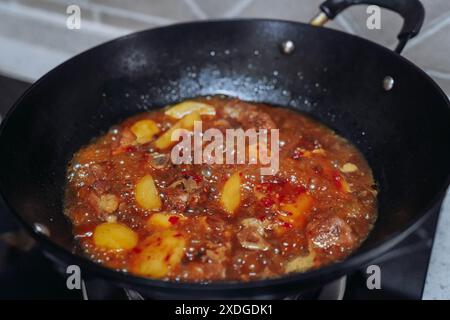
pixel 103 204
pixel 207 271
pixel 126 140
pixel 108 203
pixel 182 194
pixel 249 116
pixel 87 174
pixel 218 253
pixel 252 235
pixel 331 235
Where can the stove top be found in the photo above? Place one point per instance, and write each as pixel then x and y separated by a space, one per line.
pixel 26 273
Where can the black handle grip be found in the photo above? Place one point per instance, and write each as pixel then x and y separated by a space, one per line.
pixel 411 11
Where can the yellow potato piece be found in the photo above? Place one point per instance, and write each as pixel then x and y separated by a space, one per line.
pixel 230 197
pixel 144 130
pixel 161 252
pixel 146 194
pixel 346 186
pixel 301 264
pixel 115 236
pixel 187 122
pixel 302 205
pixel 182 109
pixel 163 220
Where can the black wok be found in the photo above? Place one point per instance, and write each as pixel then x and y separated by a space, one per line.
pixel 404 132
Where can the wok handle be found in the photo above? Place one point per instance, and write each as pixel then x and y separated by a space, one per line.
pixel 411 11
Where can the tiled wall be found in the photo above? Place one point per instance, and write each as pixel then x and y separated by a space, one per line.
pixel 34 37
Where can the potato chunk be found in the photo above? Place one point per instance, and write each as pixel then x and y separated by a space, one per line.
pixel 144 130
pixel 184 108
pixel 115 236
pixel 161 252
pixel 187 122
pixel 162 220
pixel 230 197
pixel 341 183
pixel 296 211
pixel 301 263
pixel 146 194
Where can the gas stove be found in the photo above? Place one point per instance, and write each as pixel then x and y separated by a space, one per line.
pixel 26 273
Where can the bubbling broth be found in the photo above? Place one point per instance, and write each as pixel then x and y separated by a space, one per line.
pixel 133 209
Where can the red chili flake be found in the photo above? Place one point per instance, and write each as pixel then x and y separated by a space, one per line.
pixel 137 250
pixel 262 217
pixel 267 202
pixel 130 149
pixel 284 198
pixel 297 154
pixel 337 179
pixel 299 190
pixel 272 186
pixel 307 143
pixel 317 169
pixel 167 257
pixel 287 225
pixel 290 192
pixel 197 178
pixel 177 235
pixel 173 219
pixel 288 213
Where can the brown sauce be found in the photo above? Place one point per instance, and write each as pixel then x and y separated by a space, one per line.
pixel 132 209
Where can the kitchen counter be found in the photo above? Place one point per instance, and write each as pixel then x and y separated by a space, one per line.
pixel 437 285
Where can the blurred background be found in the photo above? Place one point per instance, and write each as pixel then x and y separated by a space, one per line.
pixel 34 37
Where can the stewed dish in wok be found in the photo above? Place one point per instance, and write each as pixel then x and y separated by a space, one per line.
pixel 133 208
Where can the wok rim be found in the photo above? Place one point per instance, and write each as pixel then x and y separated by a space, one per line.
pixel 357 258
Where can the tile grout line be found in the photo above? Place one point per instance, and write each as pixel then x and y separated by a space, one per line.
pixel 122 13
pixel 345 24
pixel 238 8
pixel 437 282
pixel 436 25
pixel 438 74
pixel 195 9
pixel 22 66
pixel 60 19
